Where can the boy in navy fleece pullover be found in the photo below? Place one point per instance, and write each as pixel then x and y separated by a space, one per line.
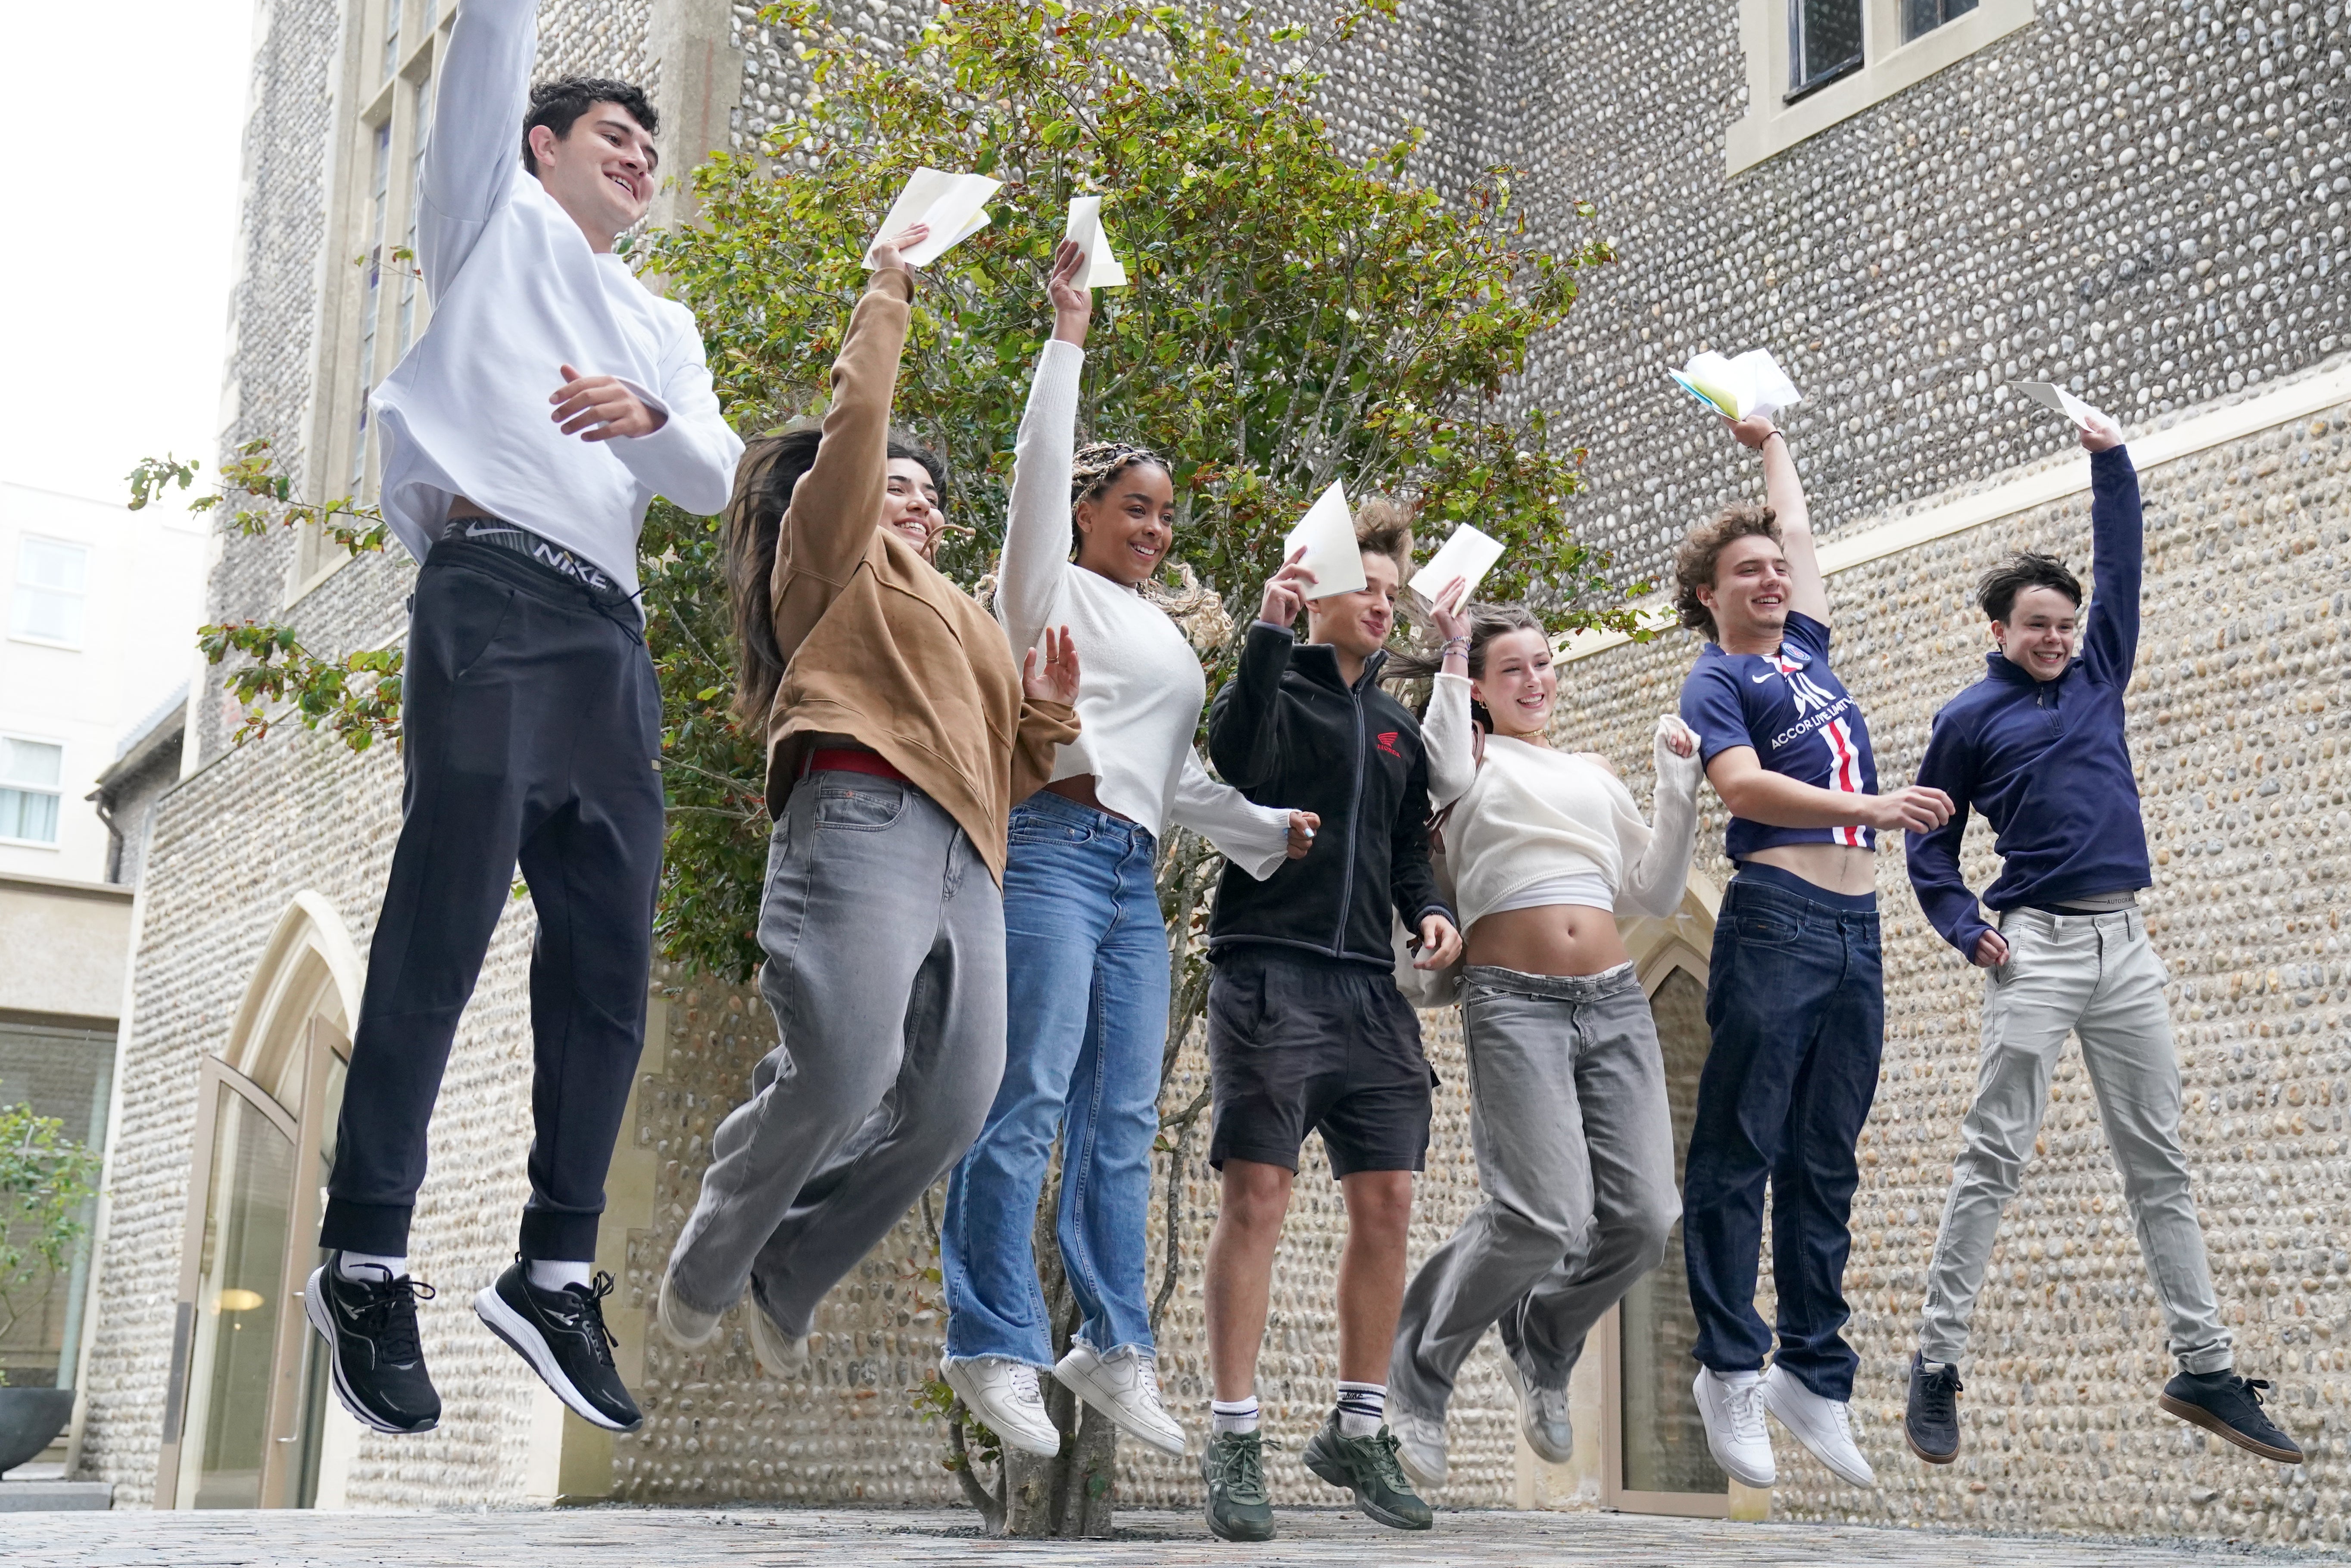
pixel 2038 747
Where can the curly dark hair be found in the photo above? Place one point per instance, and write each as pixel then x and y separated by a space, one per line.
pixel 557 105
pixel 1996 591
pixel 1702 546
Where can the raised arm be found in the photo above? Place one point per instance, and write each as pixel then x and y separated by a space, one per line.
pixel 1037 529
pixel 474 149
pixel 1449 736
pixel 1245 738
pixel 1657 858
pixel 2118 555
pixel 1783 492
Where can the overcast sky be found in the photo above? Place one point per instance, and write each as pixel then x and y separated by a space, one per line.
pixel 116 282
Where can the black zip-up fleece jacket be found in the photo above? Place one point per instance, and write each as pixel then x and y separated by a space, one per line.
pixel 1287 731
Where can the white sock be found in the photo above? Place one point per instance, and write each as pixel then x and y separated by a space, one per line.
pixel 1931 1367
pixel 361 1267
pixel 554 1274
pixel 1362 1407
pixel 1233 1415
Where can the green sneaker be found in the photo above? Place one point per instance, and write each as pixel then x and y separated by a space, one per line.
pixel 1234 1468
pixel 1367 1466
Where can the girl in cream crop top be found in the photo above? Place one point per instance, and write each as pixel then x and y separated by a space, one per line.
pixel 1532 827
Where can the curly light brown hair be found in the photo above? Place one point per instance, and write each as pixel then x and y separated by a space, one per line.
pixel 1384 527
pixel 1702 546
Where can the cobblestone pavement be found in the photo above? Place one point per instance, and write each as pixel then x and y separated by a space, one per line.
pixel 703 1538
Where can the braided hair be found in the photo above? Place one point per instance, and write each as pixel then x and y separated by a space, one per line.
pixel 1097 463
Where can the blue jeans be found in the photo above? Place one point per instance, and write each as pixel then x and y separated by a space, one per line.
pixel 1086 989
pixel 1795 1001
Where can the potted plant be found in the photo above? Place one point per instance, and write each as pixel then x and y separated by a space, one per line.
pixel 45 1179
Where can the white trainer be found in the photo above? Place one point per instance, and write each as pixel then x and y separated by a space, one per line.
pixel 1124 1387
pixel 779 1355
pixel 1731 1405
pixel 1002 1395
pixel 1822 1426
pixel 1420 1447
pixel 1543 1416
pixel 687 1328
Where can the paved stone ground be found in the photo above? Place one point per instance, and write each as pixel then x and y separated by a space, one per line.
pixel 706 1538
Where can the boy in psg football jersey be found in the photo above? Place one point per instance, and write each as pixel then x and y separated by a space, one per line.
pixel 1793 998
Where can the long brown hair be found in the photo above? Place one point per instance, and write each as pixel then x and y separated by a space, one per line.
pixel 1487 622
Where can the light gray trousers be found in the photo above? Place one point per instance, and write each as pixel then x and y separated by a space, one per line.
pixel 2098 977
pixel 884 935
pixel 1576 1151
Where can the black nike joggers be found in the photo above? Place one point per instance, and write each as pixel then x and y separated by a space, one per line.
pixel 532 726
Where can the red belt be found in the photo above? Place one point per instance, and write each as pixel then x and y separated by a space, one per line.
pixel 850 760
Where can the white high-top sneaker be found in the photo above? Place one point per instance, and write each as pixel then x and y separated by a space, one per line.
pixel 1420 1447
pixel 686 1327
pixel 1003 1394
pixel 779 1355
pixel 1124 1385
pixel 1731 1405
pixel 1823 1426
pixel 1543 1416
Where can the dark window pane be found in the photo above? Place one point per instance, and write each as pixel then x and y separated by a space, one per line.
pixel 1925 15
pixel 1825 39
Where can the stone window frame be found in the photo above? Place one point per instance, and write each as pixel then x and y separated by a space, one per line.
pixel 370 100
pixel 1890 64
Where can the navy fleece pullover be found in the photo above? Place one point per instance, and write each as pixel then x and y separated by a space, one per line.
pixel 2046 762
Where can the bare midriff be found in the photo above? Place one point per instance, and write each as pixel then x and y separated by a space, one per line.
pixel 1832 868
pixel 461 507
pixel 1550 939
pixel 1080 787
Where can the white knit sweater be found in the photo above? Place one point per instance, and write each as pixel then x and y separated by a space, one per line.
pixel 1140 687
pixel 1530 814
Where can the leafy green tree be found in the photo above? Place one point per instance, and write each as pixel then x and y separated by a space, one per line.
pixel 45 1179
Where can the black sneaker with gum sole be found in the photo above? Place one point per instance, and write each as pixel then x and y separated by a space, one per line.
pixel 376 1359
pixel 2229 1407
pixel 561 1333
pixel 1930 1420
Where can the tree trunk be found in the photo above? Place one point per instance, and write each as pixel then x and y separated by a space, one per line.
pixel 1072 1495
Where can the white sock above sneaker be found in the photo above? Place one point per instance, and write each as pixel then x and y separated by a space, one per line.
pixel 1233 1415
pixel 1362 1407
pixel 551 1275
pixel 361 1267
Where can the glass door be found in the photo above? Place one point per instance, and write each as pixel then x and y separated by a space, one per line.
pixel 1658 1462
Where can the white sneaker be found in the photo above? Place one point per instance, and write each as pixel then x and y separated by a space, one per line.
pixel 1823 1426
pixel 1002 1395
pixel 1124 1387
pixel 1731 1405
pixel 1543 1416
pixel 687 1328
pixel 779 1355
pixel 1420 1447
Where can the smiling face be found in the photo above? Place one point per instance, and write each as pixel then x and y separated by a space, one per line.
pixel 600 172
pixel 1748 596
pixel 1358 623
pixel 910 506
pixel 1124 532
pixel 2039 632
pixel 1519 683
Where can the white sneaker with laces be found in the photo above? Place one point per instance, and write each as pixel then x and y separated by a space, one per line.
pixel 1420 1447
pixel 1002 1394
pixel 1543 1416
pixel 687 1328
pixel 1124 1387
pixel 779 1355
pixel 1822 1426
pixel 1731 1405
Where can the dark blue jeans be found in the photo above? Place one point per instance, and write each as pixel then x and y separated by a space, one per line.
pixel 1795 1001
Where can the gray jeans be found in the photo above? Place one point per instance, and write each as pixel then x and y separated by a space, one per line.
pixel 884 935
pixel 1576 1151
pixel 2096 976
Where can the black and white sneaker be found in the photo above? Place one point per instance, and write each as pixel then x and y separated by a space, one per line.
pixel 562 1334
pixel 369 1327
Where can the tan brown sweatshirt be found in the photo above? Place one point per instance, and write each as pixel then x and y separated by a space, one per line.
pixel 879 646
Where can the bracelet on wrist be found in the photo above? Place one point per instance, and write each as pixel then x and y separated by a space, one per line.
pixel 1453 645
pixel 1768 434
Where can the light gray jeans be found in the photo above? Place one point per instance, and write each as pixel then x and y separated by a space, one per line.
pixel 1576 1151
pixel 884 935
pixel 2098 977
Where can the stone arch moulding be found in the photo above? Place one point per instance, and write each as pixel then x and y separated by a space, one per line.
pixel 309 968
pixel 1685 937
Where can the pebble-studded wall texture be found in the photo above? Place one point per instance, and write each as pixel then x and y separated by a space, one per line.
pixel 2147 198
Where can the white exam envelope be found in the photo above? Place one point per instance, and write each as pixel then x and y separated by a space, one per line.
pixel 1752 383
pixel 2057 399
pixel 1328 532
pixel 955 205
pixel 1085 231
pixel 1469 554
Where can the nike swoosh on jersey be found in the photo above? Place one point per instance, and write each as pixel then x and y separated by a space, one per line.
pixel 1767 675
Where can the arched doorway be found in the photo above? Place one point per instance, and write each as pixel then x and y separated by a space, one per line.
pixel 248 1419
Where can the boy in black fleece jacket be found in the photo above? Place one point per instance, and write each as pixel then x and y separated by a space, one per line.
pixel 1306 1028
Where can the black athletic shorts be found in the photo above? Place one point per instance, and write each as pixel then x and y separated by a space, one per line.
pixel 1297 1042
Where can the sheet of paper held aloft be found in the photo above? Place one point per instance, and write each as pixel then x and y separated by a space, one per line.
pixel 955 205
pixel 1328 532
pixel 1467 557
pixel 1086 231
pixel 2057 399
pixel 1753 383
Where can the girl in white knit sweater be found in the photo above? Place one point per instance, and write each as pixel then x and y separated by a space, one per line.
pixel 1567 1090
pixel 1086 959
